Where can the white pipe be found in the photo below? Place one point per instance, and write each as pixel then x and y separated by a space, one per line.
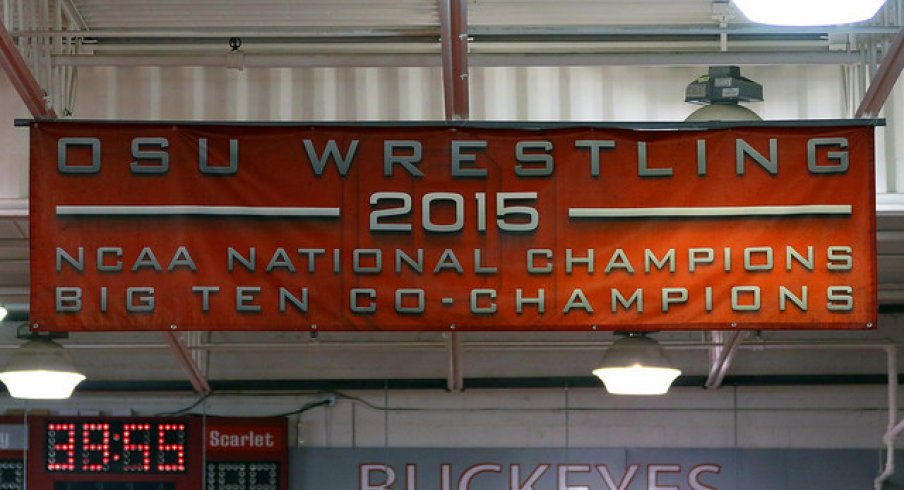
pixel 481 60
pixel 455 381
pixel 704 58
pixel 100 346
pixel 254 60
pixel 894 427
pixel 481 32
pixel 892 362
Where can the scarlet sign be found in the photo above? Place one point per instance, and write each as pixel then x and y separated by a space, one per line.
pixel 155 226
pixel 246 436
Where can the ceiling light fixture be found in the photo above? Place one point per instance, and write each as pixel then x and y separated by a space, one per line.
pixel 720 92
pixel 3 312
pixel 636 365
pixel 808 12
pixel 40 369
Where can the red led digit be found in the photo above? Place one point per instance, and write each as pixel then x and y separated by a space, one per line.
pixel 171 454
pixel 136 438
pixel 61 447
pixel 96 449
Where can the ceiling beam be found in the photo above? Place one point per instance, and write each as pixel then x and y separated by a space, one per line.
pixel 183 356
pixel 453 16
pixel 73 12
pixel 884 80
pixel 12 62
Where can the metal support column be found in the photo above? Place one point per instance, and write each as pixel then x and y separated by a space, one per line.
pixel 12 62
pixel 184 357
pixel 454 33
pixel 884 80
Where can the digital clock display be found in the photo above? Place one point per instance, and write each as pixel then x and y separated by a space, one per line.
pixel 116 447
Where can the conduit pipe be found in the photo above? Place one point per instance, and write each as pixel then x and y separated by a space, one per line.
pixel 21 77
pixel 895 427
pixel 454 40
pixel 455 381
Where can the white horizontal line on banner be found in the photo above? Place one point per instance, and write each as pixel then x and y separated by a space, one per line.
pixel 227 211
pixel 712 212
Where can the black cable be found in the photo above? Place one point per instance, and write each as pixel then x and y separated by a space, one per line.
pixel 309 406
pixel 373 406
pixel 186 409
pixel 329 401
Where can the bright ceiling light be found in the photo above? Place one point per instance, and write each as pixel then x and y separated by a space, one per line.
pixel 808 12
pixel 40 369
pixel 636 365
pixel 3 312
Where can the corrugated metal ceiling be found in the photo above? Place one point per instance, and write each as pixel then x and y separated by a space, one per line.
pixel 105 14
pixel 589 12
pixel 100 14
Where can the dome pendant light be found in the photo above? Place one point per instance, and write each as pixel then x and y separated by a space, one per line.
pixel 636 365
pixel 808 12
pixel 720 92
pixel 40 369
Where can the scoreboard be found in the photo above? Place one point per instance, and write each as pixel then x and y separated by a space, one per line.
pixel 148 453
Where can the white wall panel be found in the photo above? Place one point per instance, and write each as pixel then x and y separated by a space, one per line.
pixel 601 93
pixel 13 143
pixel 314 94
pixel 686 417
pixel 811 417
pixel 767 417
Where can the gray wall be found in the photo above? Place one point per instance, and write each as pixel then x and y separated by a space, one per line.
pixel 719 469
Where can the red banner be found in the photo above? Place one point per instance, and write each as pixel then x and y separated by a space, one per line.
pixel 230 227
